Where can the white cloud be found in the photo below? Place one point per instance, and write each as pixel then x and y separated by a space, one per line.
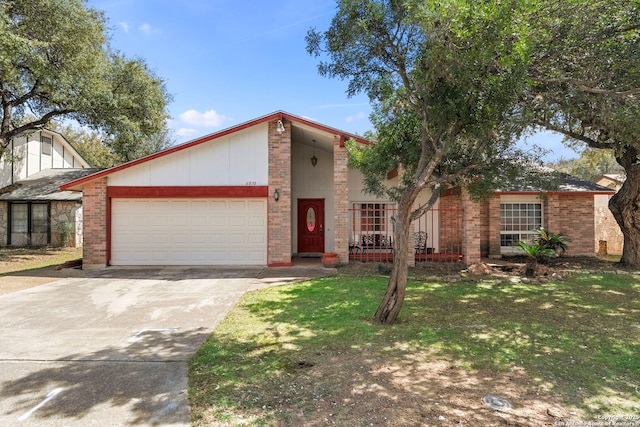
pixel 209 118
pixel 147 29
pixel 125 26
pixel 356 117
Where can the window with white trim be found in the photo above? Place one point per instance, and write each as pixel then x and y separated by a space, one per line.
pixel 519 221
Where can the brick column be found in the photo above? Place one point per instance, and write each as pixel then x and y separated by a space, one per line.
pixel 340 201
pixel 552 213
pixel 279 230
pixel 94 202
pixel 494 226
pixel 471 228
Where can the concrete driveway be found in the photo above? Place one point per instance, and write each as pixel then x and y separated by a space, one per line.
pixel 111 348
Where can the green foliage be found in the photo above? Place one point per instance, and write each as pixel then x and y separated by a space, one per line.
pixel 555 242
pixel 443 79
pixel 536 250
pixel 67 230
pixel 591 164
pixel 55 62
pixel 585 84
pixel 96 149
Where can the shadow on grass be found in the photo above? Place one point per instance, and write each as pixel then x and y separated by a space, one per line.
pixel 576 340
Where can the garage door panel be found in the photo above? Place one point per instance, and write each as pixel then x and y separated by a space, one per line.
pixel 188 232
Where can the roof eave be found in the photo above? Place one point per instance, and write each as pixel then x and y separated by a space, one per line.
pixel 78 184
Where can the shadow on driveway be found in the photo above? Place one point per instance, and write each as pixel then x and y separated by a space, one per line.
pixel 112 347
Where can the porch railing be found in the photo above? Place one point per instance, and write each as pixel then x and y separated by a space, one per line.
pixel 437 235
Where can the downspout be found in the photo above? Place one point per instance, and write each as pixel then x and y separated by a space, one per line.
pixel 39 154
pixel 26 138
pixel 13 163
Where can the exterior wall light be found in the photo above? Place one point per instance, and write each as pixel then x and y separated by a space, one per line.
pixel 276 195
pixel 314 159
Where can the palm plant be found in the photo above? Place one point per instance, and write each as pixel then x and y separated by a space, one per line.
pixel 534 253
pixel 556 242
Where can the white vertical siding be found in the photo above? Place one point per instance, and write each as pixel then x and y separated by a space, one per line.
pixel 28 159
pixel 233 160
pixel 308 182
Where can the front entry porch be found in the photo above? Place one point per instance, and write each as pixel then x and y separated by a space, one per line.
pixel 437 235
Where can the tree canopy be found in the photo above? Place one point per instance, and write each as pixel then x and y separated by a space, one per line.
pixel 453 84
pixel 444 79
pixel 94 148
pixel 585 84
pixel 56 63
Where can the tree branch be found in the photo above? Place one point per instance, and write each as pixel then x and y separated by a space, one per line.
pixel 574 135
pixel 588 89
pixel 36 124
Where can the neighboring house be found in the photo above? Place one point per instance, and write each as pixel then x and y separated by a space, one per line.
pixel 611 180
pixel 35 152
pixel 277 187
pixel 33 210
pixel 609 238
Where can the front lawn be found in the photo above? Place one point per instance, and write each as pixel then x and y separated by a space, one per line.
pixel 308 354
pixel 21 260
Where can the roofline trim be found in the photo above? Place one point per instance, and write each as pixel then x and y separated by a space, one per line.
pixel 278 115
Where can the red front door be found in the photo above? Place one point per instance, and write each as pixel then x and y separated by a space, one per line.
pixel 310 225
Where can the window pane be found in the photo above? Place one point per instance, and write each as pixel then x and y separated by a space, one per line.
pixel 46 143
pixel 39 219
pixel 19 218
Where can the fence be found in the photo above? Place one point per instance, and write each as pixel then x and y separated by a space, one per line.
pixel 437 235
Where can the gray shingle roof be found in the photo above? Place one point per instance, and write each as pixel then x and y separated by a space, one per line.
pixel 543 179
pixel 45 186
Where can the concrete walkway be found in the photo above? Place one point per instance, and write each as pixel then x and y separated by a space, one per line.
pixel 111 348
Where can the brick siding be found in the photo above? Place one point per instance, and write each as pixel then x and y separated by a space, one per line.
pixel 471 228
pixel 94 200
pixel 572 215
pixel 341 201
pixel 279 231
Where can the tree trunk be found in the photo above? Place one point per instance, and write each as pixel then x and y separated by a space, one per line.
pixel 625 207
pixel 530 266
pixel 389 308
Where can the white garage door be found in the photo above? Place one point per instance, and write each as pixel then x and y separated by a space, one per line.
pixel 188 231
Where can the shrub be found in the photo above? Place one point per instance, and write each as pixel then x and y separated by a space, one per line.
pixel 555 242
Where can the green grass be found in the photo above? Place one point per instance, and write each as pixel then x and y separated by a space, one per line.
pixel 23 260
pixel 578 338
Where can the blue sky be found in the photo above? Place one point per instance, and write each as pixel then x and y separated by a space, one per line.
pixel 226 62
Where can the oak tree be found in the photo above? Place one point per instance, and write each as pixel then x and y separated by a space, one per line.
pixel 444 77
pixel 585 84
pixel 56 63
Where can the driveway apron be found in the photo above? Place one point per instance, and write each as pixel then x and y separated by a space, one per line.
pixel 110 348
